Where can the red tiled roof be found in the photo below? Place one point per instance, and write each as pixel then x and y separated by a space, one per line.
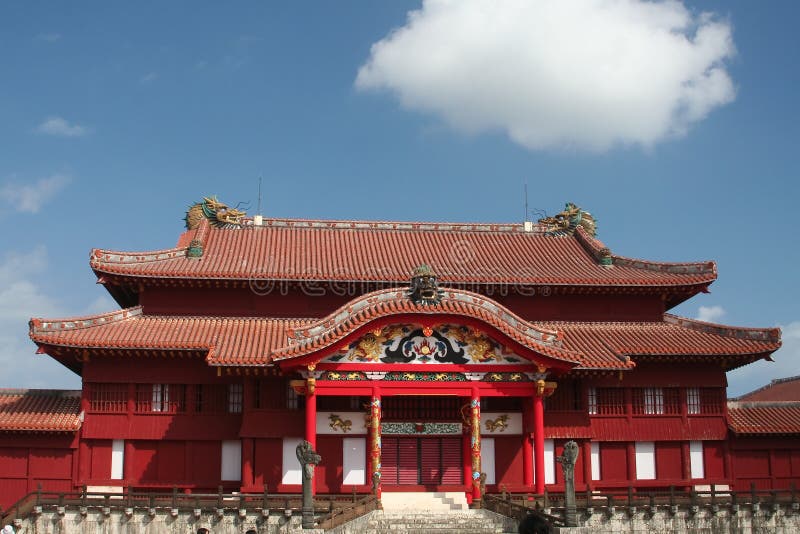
pixel 780 389
pixel 252 341
pixel 675 336
pixel 284 249
pixel 230 341
pixel 39 410
pixel 764 417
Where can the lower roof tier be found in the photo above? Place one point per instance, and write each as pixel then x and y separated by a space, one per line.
pixel 228 341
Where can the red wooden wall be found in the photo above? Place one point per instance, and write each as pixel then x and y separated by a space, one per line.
pixel 27 461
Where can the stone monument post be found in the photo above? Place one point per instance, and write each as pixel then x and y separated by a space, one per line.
pixel 308 459
pixel 567 461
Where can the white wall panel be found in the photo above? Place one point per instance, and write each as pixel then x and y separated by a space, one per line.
pixel 696 459
pixel 645 460
pixel 231 460
pixel 487 459
pixel 290 465
pixel 117 459
pixel 354 452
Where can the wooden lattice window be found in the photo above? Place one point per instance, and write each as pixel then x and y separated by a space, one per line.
pixel 210 398
pixel 160 398
pixel 108 398
pixel 567 397
pixel 610 401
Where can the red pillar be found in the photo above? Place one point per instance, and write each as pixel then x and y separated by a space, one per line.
pixel 587 463
pixel 311 426
pixel 467 461
pixel 631 452
pixel 475 439
pixel 527 444
pixel 538 444
pixel 374 465
pixel 247 464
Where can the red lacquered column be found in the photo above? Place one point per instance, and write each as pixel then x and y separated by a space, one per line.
pixel 527 444
pixel 538 442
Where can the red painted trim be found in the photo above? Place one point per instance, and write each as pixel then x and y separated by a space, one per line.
pixel 462 389
pixel 425 367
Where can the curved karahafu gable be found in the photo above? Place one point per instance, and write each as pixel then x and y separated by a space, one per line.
pixel 448 329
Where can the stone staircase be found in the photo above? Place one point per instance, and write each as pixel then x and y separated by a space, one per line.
pixel 443 501
pixel 428 513
pixel 438 522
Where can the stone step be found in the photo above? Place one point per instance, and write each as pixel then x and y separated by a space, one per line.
pixel 416 501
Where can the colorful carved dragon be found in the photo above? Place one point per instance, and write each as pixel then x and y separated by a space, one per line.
pixel 566 222
pixel 217 213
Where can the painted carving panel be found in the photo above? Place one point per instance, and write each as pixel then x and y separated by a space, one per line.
pixel 411 344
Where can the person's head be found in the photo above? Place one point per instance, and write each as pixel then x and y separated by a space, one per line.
pixel 534 524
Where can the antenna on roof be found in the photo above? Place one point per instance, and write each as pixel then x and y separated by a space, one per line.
pixel 258 219
pixel 526 224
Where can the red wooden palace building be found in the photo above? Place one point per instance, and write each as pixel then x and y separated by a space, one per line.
pixel 411 355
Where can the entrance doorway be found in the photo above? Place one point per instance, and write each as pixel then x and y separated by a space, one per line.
pixel 421 461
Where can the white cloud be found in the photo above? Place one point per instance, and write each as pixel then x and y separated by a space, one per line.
pixel 585 74
pixel 755 375
pixel 710 314
pixel 148 78
pixel 61 128
pixel 20 299
pixel 29 198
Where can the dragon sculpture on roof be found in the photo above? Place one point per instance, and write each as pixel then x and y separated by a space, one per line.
pixel 217 213
pixel 566 222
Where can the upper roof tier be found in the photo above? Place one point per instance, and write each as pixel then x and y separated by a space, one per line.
pixel 556 251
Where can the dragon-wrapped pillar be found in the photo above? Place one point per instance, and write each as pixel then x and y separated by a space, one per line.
pixel 375 441
pixel 475 446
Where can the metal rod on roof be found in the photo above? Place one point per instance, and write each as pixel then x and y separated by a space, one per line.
pixel 259 196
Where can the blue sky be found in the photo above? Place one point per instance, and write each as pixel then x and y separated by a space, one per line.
pixel 115 116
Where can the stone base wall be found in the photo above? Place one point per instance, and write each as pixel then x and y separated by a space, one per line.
pixel 161 522
pixel 745 520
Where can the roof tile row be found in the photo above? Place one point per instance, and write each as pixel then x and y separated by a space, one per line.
pixel 388 252
pixel 39 410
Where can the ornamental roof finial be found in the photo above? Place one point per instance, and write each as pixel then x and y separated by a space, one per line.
pixel 217 213
pixel 566 222
pixel 424 288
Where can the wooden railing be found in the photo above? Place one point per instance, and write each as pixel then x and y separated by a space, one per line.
pixel 550 506
pixel 330 507
pixel 345 513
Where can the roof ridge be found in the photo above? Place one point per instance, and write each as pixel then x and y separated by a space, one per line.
pixel 743 405
pixel 40 325
pixel 363 224
pixel 773 382
pixel 41 392
pixel 739 332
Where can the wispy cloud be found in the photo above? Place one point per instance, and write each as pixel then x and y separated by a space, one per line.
pixel 710 314
pixel 568 74
pixel 49 37
pixel 148 78
pixel 21 298
pixel 61 127
pixel 29 198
